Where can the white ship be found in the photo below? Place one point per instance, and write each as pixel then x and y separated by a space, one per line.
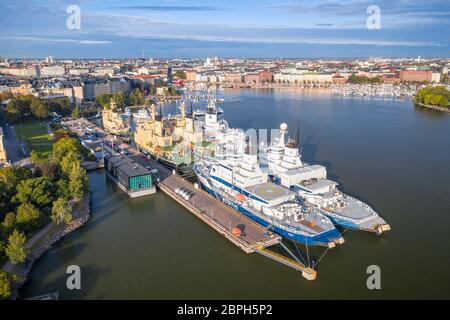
pixel 236 178
pixel 312 186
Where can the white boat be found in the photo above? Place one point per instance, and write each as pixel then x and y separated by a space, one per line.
pixel 312 187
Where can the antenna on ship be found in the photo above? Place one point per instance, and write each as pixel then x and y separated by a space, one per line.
pixel 297 134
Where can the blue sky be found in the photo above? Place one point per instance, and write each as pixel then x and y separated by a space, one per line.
pixel 244 28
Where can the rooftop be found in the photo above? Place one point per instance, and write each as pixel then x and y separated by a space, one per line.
pixel 128 166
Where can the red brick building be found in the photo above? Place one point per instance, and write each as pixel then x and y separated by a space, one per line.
pixel 251 78
pixel 265 76
pixel 233 77
pixel 416 75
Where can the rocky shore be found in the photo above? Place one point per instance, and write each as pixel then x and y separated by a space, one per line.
pixel 80 216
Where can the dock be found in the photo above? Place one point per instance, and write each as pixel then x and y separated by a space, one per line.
pixel 223 219
pixel 251 236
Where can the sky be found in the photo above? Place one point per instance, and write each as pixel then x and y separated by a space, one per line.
pixel 232 28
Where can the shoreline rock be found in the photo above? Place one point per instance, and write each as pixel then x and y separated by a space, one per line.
pixel 80 218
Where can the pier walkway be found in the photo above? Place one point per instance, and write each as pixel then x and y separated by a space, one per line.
pixel 220 217
pixel 252 238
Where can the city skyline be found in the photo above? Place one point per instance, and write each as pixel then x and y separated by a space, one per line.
pixel 187 29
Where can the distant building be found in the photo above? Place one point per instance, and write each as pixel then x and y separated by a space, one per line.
pixel 28 71
pixel 78 71
pixel 416 75
pixel 190 75
pixel 169 75
pixel 338 79
pixel 265 76
pixel 24 88
pixel 436 77
pixel 233 77
pixel 52 71
pixel 251 78
pixel 390 79
pixel 104 71
pixel 94 88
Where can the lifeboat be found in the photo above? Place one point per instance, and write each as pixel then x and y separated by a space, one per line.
pixel 240 197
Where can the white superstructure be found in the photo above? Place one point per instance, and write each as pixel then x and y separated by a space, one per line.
pixel 311 184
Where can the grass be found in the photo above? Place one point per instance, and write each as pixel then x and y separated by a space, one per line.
pixel 35 134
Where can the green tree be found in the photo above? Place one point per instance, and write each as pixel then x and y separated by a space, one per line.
pixel 9 222
pixel 38 191
pixel 120 100
pixel 63 188
pixel 104 100
pixel 48 169
pixel 180 75
pixel 39 109
pixel 65 146
pixel 61 212
pixel 76 113
pixel 78 181
pixel 68 162
pixel 15 249
pixel 38 157
pixel 9 179
pixel 6 280
pixel 29 217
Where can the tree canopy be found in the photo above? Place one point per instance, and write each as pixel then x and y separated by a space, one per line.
pixel 15 250
pixel 435 96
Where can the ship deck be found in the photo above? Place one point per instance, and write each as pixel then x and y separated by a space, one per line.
pixel 354 211
pixel 269 191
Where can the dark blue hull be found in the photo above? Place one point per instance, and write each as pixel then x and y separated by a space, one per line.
pixel 322 239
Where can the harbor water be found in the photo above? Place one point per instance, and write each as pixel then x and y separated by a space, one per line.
pixel 385 152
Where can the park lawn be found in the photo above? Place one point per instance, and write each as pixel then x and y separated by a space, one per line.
pixel 36 136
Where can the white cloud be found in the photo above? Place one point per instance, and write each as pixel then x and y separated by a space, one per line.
pixel 45 39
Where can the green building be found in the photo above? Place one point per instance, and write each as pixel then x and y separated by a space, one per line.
pixel 129 175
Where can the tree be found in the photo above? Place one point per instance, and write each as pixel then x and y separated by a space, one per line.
pixel 38 191
pixel 15 250
pixel 6 280
pixel 61 212
pixel 48 169
pixel 38 157
pixel 9 179
pixel 67 163
pixel 76 113
pixel 63 189
pixel 9 222
pixel 78 181
pixel 65 146
pixel 28 217
pixel 180 75
pixel 120 100
pixel 39 109
pixel 104 100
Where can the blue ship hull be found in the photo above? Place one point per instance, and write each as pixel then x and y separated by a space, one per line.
pixel 322 239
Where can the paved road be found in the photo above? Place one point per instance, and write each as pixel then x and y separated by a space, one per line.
pixel 17 153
